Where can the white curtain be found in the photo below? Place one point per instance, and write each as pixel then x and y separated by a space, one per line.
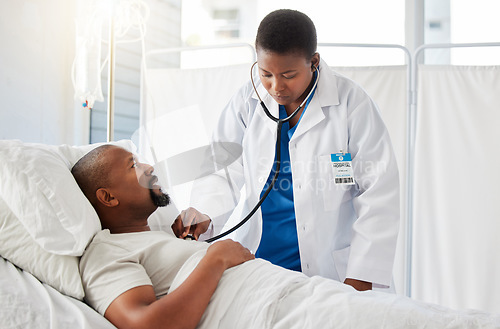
pixel 388 86
pixel 456 214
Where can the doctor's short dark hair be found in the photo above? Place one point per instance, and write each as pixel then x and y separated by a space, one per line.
pixel 287 31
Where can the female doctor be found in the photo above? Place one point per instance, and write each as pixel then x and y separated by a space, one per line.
pixel 334 209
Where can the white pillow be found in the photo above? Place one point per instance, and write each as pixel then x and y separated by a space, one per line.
pixel 17 246
pixel 38 187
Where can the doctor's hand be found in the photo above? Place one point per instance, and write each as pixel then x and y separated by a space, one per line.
pixel 358 284
pixel 190 222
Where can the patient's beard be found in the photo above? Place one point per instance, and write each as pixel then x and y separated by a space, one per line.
pixel 160 200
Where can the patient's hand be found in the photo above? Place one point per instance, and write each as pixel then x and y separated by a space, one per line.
pixel 228 253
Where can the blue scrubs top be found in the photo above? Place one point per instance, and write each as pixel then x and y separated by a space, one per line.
pixel 279 243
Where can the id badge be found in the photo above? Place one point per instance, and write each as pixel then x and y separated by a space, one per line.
pixel 342 168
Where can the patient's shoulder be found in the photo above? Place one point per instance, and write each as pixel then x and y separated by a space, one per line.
pixel 128 242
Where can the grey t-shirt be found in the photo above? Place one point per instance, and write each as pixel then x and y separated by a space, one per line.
pixel 115 263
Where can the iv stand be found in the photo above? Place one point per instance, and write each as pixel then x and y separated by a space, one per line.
pixel 111 85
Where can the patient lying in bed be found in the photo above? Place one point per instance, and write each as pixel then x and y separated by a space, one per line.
pixel 138 278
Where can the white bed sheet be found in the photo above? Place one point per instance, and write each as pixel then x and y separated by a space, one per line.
pixel 260 295
pixel 288 301
pixel 27 303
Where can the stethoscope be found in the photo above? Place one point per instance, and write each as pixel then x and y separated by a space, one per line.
pixel 280 123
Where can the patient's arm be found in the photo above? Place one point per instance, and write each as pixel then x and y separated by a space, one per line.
pixel 182 308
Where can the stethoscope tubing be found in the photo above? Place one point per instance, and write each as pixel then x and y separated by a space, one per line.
pixel 278 154
pixel 268 190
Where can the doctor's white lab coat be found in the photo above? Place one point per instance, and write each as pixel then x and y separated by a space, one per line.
pixel 343 231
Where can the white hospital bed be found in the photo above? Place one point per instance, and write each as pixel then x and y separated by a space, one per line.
pixel 25 302
pixel 42 223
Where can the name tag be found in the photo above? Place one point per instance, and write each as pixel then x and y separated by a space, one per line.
pixel 342 168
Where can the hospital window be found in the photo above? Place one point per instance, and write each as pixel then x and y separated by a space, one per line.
pixel 461 21
pixel 226 23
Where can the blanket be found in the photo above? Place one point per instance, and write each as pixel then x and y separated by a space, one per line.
pixel 257 294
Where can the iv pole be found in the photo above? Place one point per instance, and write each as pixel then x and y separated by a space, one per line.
pixel 111 85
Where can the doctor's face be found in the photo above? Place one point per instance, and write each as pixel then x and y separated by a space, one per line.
pixel 286 77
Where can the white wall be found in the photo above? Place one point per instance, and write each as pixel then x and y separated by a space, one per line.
pixel 36 93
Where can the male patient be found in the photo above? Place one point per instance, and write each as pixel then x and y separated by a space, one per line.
pixel 127 267
pixel 127 271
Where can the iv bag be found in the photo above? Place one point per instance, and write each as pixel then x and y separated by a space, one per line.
pixel 87 64
pixel 87 67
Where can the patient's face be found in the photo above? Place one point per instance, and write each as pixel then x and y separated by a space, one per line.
pixel 133 182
